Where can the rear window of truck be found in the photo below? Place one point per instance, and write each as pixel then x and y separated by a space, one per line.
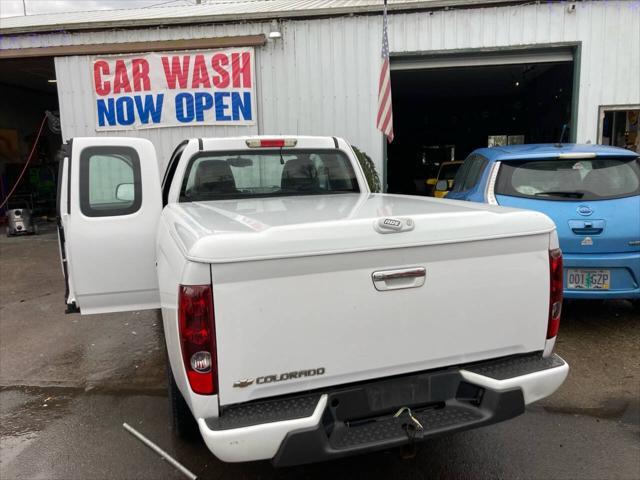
pixel 267 173
pixel 562 179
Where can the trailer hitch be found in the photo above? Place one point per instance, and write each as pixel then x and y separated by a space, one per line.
pixel 411 428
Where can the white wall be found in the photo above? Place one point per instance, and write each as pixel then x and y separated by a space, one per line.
pixel 321 78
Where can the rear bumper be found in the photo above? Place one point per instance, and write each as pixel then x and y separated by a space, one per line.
pixel 360 418
pixel 625 274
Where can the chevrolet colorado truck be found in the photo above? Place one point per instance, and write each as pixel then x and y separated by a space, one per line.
pixel 306 318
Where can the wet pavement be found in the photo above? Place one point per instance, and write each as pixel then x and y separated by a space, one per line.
pixel 67 383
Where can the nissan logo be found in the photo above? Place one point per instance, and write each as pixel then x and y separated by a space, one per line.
pixel 584 210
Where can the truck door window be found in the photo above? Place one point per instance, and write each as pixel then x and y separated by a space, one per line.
pixel 109 181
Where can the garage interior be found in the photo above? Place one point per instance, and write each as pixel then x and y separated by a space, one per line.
pixel 27 92
pixel 444 113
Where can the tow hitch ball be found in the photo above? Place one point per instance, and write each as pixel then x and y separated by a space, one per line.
pixel 411 428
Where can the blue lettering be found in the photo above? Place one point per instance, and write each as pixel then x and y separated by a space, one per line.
pixel 184 107
pixel 148 108
pixel 204 101
pixel 189 107
pixel 106 112
pixel 221 106
pixel 125 104
pixel 240 105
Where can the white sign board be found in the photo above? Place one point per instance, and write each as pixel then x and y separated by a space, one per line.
pixel 174 89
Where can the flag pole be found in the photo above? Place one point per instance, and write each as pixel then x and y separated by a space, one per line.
pixel 384 117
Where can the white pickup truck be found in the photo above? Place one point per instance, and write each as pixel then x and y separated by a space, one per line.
pixel 306 318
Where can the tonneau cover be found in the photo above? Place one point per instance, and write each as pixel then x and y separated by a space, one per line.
pixel 278 227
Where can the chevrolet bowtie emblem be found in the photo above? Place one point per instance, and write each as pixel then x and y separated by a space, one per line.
pixel 243 383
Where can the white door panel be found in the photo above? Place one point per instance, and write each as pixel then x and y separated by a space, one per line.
pixel 110 227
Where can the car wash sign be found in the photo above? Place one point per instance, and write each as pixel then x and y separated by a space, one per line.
pixel 174 89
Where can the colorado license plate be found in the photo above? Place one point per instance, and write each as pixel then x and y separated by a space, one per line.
pixel 588 279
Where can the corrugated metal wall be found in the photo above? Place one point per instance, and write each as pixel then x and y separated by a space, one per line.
pixel 321 78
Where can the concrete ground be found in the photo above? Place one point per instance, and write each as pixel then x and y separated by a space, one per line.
pixel 68 382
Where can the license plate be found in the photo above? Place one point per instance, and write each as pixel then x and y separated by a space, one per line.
pixel 588 279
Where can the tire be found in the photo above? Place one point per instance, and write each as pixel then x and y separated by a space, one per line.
pixel 182 421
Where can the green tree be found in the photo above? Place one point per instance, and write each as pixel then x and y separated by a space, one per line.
pixel 373 179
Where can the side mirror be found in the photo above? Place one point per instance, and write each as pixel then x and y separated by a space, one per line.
pixel 442 186
pixel 125 192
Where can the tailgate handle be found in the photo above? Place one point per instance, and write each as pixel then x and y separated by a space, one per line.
pixel 586 227
pixel 400 278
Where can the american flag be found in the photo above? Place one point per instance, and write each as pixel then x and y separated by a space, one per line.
pixel 384 120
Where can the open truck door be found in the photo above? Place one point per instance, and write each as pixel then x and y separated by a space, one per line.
pixel 109 203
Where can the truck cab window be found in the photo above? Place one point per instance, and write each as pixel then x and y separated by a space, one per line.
pixel 233 175
pixel 171 170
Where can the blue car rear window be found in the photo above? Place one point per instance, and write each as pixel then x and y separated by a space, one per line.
pixel 563 179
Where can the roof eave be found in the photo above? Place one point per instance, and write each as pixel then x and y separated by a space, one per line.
pixel 257 16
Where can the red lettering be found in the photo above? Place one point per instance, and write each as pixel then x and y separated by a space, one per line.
pixel 241 69
pixel 218 61
pixel 121 78
pixel 176 73
pixel 103 87
pixel 140 73
pixel 200 74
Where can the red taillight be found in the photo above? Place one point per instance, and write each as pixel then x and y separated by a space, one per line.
pixel 198 337
pixel 555 291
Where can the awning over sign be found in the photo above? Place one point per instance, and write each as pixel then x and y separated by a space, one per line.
pixel 135 47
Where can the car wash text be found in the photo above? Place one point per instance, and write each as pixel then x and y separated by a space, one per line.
pixel 174 89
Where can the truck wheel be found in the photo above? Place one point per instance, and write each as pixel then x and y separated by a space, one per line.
pixel 183 423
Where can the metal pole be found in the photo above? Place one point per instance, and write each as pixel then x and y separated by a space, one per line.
pixel 24 7
pixel 159 451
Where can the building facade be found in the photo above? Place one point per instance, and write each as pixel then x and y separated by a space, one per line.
pixel 321 76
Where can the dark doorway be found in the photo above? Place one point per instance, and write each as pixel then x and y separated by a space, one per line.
pixel 443 114
pixel 28 90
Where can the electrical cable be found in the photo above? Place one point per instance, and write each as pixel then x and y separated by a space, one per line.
pixel 33 149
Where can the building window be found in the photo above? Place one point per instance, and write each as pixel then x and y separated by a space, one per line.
pixel 502 140
pixel 619 126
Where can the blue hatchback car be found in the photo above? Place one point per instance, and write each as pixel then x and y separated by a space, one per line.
pixel 592 193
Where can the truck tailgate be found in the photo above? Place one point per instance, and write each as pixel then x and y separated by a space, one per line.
pixel 301 323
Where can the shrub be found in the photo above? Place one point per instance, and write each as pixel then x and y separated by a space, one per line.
pixel 373 179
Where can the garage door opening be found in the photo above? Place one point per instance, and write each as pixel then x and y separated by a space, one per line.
pixel 28 91
pixel 444 113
